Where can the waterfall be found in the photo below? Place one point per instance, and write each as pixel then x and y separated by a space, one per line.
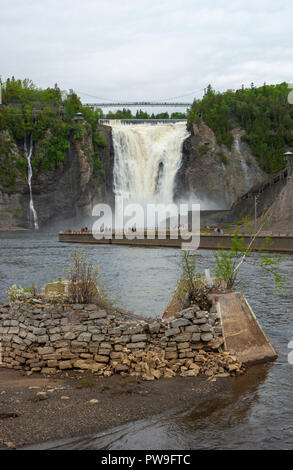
pixel 244 166
pixel 28 155
pixel 147 158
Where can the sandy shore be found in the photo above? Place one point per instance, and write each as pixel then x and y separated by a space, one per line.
pixel 77 403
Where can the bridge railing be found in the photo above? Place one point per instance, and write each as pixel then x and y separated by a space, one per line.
pixel 140 121
pixel 137 103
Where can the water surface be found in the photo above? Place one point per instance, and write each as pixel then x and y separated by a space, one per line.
pixel 256 413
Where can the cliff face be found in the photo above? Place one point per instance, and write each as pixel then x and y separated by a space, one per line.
pixel 213 173
pixel 67 192
pixel 282 208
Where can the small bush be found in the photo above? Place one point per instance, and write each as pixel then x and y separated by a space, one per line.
pixel 223 157
pixel 83 280
pixel 203 149
pixel 192 287
pixel 16 293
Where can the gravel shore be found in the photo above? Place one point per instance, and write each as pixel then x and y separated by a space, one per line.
pixel 39 408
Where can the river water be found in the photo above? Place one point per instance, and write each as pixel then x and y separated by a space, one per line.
pixel 256 412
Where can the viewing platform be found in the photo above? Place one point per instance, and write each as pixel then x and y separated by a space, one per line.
pixel 281 242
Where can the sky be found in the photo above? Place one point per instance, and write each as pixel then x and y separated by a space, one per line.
pixel 146 49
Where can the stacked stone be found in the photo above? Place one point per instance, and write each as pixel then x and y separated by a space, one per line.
pixel 48 338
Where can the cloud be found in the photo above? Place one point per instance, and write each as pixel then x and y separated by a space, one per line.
pixel 146 49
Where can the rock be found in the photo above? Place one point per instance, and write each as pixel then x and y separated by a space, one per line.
pixel 206 337
pixel 183 337
pixel 70 335
pixel 156 373
pixel 86 337
pixel 64 397
pixel 190 373
pixel 172 331
pixel 100 358
pixel 48 370
pixel 138 338
pixel 179 322
pixel 65 365
pixel 169 373
pixel 93 401
pixel 200 321
pixel 171 355
pixel 121 368
pixel 216 343
pixel 148 376
pixel 154 327
pixel 195 337
pixel 185 345
pixel 191 329
pixel 40 396
pixel 136 345
pixel 10 445
pixel 42 339
pixel 13 330
pixel 46 350
pixel 116 355
pixel 98 338
pixel 205 328
pixel 201 314
pixel 188 313
pixel 194 367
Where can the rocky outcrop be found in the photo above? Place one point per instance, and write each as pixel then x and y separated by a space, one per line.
pixel 67 192
pixel 212 173
pixel 282 208
pixel 273 197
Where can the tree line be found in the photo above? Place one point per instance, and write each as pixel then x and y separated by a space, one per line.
pixel 263 112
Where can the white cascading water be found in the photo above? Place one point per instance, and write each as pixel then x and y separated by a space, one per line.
pixel 147 158
pixel 28 155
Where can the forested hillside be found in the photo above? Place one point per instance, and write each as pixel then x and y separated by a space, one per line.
pixel 48 117
pixel 263 112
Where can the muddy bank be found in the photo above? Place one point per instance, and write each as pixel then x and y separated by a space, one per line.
pixel 26 419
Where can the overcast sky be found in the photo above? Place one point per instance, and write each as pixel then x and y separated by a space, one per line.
pixel 146 49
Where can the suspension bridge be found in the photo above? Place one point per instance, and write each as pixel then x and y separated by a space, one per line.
pixel 130 104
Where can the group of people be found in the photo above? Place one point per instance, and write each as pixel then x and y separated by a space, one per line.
pixel 217 230
pixel 83 229
pixel 105 229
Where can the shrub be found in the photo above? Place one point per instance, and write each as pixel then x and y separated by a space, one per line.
pixel 16 293
pixel 191 286
pixel 203 149
pixel 83 280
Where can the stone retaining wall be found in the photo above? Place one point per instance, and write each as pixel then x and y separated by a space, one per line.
pixel 48 338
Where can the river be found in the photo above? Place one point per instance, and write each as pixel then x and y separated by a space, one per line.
pixel 256 413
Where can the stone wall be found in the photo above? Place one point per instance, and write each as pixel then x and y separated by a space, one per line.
pixel 47 338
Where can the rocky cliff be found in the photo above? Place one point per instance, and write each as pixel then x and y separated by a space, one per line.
pixel 66 192
pixel 215 174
